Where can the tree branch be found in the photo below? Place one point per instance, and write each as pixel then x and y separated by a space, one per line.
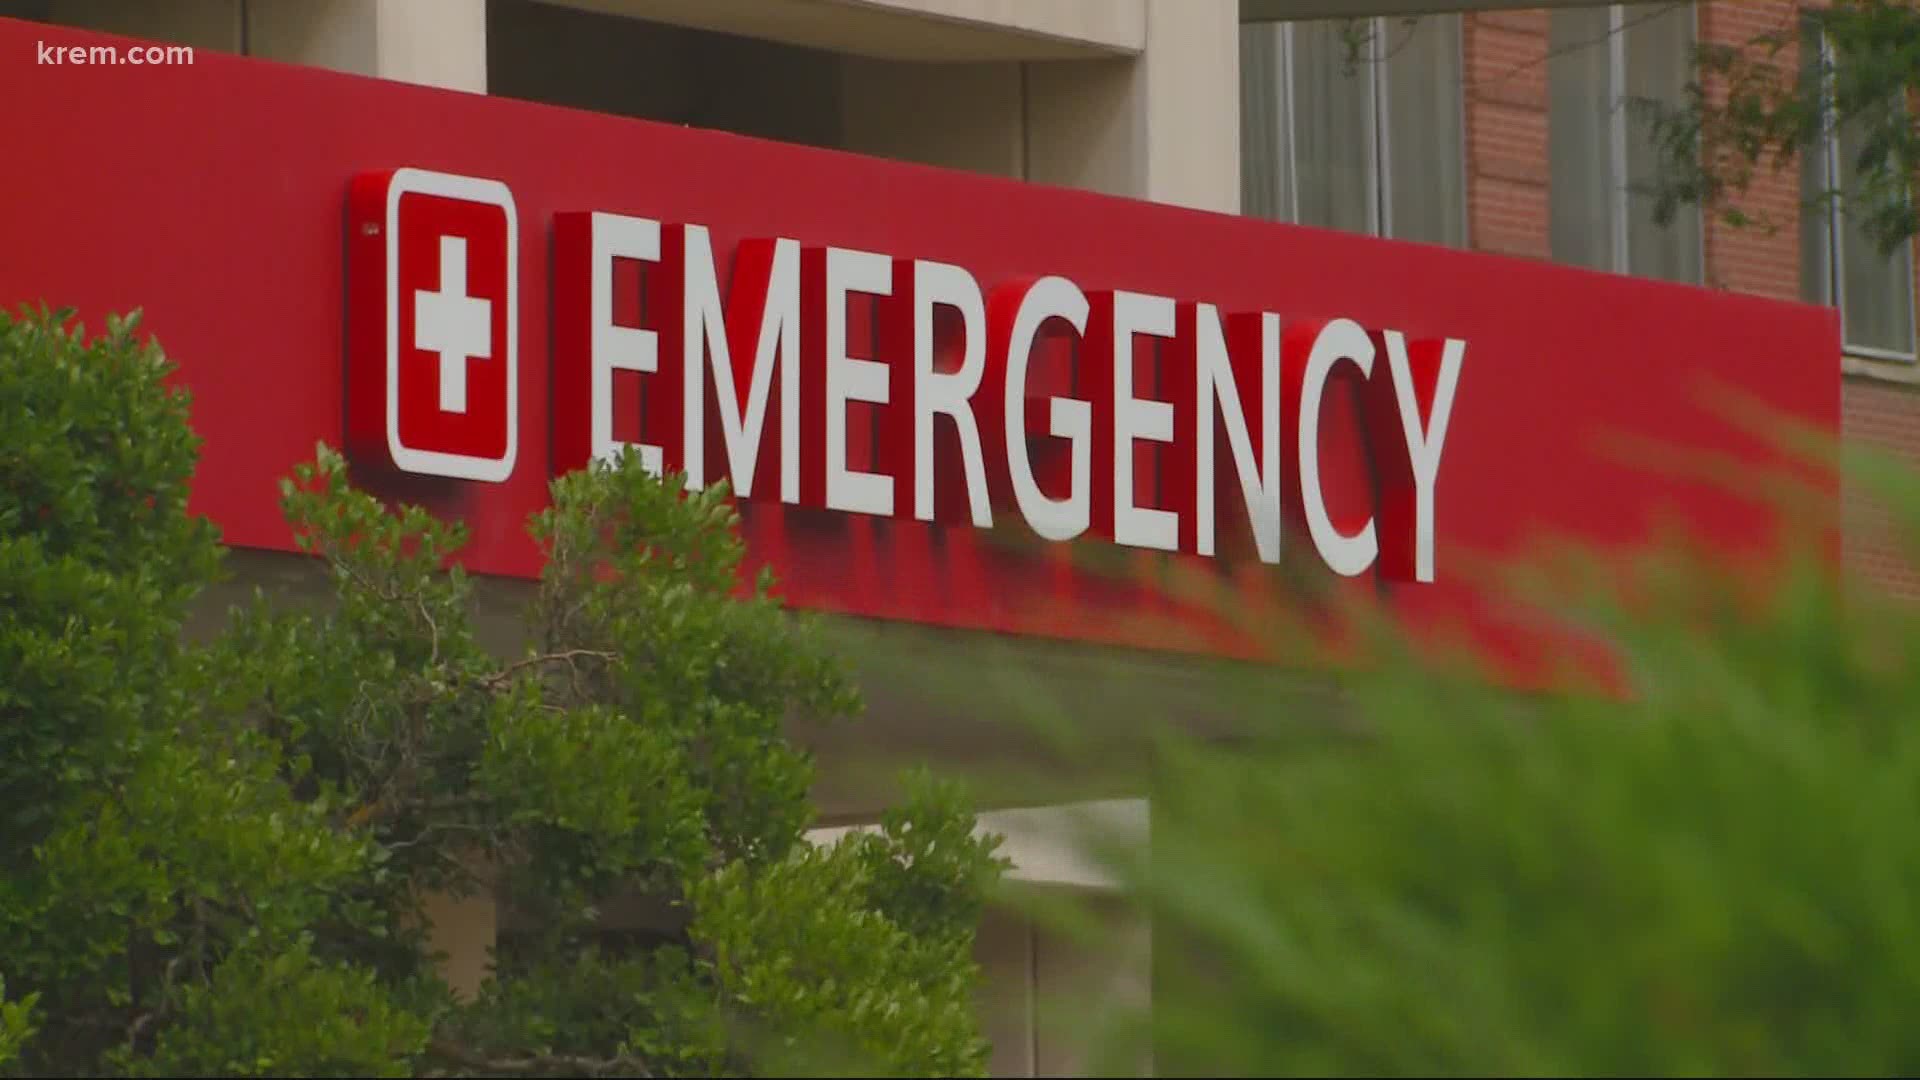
pixel 569 657
pixel 379 809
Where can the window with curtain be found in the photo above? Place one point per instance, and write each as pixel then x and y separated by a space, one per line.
pixel 1356 125
pixel 1840 264
pixel 1600 149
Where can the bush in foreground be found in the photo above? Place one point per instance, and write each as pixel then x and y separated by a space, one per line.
pixel 214 859
pixel 1710 870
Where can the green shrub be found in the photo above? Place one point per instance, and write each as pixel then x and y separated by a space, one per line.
pixel 16 1025
pixel 213 858
pixel 1712 871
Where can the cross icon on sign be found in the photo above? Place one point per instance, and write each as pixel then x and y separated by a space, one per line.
pixel 456 326
pixel 434 355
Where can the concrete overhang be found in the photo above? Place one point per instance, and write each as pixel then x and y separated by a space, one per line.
pixel 989 30
pixel 1281 10
pixel 923 30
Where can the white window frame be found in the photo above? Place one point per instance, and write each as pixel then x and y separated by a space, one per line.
pixel 1618 135
pixel 1617 72
pixel 1833 256
pixel 1379 174
pixel 1617 144
pixel 1620 181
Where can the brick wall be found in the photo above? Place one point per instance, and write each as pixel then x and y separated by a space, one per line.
pixel 1885 416
pixel 1507 131
pixel 1507 178
pixel 1763 258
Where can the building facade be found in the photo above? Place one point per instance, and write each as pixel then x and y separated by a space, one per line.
pixel 1484 125
pixel 1497 129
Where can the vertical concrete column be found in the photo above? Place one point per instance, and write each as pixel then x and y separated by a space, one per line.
pixel 431 42
pixel 464 930
pixel 1004 949
pixel 1164 125
pixel 1191 72
pixel 1054 1003
pixel 1093 990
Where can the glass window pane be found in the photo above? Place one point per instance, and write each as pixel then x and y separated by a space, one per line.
pixel 1876 290
pixel 1265 176
pixel 1579 141
pixel 1659 57
pixel 1816 228
pixel 1332 127
pixel 1816 215
pixel 1426 176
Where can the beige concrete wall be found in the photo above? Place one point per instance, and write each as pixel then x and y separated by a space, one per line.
pixel 1157 118
pixel 958 116
pixel 1116 25
pixel 1087 127
pixel 341 35
pixel 464 930
pixel 1047 997
pixel 433 42
pixel 1050 1000
pixel 203 24
pixel 1005 950
pixel 657 71
pixel 1162 125
pixel 926 30
pixel 1191 71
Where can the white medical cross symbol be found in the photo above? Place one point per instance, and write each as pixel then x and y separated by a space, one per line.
pixel 452 324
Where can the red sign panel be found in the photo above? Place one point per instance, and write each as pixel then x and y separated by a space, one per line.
pixel 900 368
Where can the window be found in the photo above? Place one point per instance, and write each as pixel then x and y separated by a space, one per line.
pixel 1356 125
pixel 1840 264
pixel 1600 60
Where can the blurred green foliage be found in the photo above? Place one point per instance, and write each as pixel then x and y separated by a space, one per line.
pixel 214 858
pixel 1709 868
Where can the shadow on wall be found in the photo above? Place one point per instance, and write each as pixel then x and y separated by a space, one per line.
pixel 654 71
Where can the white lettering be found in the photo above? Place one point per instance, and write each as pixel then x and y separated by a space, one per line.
pixel 1341 339
pixel 853 379
pixel 1069 418
pixel 1424 447
pixel 455 326
pixel 1215 388
pixel 778 346
pixel 619 348
pixel 948 392
pixel 1137 418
